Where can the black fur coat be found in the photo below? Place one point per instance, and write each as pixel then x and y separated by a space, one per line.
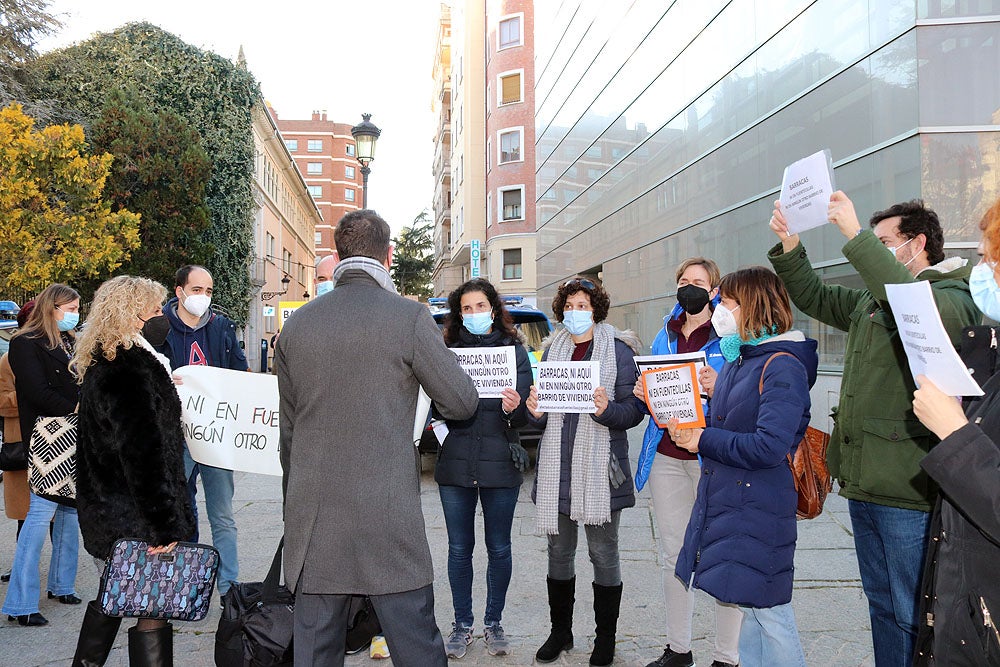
pixel 130 465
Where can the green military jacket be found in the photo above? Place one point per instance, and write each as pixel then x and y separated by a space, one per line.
pixel 877 441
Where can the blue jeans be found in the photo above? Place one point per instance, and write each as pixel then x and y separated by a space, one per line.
pixel 770 638
pixel 459 505
pixel 218 485
pixel 890 544
pixel 24 589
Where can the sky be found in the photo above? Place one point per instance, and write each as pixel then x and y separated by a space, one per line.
pixel 345 57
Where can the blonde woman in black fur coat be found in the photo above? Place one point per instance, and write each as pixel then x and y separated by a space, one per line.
pixel 130 471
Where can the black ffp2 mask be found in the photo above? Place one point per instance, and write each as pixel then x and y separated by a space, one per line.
pixel 155 330
pixel 692 298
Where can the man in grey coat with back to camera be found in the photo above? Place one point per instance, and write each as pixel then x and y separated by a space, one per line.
pixel 349 366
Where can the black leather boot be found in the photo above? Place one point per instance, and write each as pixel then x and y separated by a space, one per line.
pixel 151 648
pixel 97 636
pixel 561 598
pixel 607 603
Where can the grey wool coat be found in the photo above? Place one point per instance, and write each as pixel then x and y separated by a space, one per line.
pixel 349 364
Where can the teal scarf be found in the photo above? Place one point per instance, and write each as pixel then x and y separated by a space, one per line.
pixel 730 345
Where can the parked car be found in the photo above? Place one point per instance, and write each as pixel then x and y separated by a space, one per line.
pixel 534 327
pixel 8 323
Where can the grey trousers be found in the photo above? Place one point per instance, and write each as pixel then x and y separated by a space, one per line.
pixel 602 544
pixel 407 623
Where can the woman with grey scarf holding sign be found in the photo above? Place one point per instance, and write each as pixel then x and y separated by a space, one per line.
pixel 583 469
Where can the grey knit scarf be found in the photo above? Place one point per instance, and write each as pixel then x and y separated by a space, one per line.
pixel 590 491
pixel 370 266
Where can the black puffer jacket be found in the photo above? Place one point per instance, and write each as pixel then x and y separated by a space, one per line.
pixel 476 452
pixel 129 454
pixel 960 601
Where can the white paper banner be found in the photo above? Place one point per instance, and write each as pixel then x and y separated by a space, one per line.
pixel 568 386
pixel 806 187
pixel 230 418
pixel 927 346
pixel 493 369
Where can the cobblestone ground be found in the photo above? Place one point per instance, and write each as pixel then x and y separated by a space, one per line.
pixel 830 607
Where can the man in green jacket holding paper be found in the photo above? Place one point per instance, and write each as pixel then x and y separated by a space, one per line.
pixel 877 442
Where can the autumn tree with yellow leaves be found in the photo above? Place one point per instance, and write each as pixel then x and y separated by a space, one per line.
pixel 54 223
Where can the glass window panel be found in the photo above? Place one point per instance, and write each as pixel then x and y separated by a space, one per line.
pixel 959 62
pixel 314 168
pixel 510 89
pixel 292 145
pixel 510 32
pixel 935 9
pixel 315 145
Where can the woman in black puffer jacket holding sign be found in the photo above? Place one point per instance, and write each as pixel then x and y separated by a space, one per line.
pixel 481 460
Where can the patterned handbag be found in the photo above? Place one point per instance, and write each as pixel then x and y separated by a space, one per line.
pixel 176 585
pixel 52 458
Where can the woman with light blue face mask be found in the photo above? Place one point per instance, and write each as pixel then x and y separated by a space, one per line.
pixel 960 590
pixel 39 357
pixel 481 462
pixel 583 468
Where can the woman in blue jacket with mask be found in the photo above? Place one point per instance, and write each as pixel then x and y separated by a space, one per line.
pixel 673 473
pixel 740 541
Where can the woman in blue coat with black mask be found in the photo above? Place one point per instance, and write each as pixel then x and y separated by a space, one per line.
pixel 673 473
pixel 740 542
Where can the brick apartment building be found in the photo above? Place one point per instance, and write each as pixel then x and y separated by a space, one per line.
pixel 324 152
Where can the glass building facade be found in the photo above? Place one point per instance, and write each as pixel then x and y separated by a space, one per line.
pixel 663 129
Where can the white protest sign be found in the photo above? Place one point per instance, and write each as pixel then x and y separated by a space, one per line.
pixel 651 361
pixel 672 393
pixel 927 346
pixel 493 369
pixel 568 386
pixel 230 418
pixel 806 187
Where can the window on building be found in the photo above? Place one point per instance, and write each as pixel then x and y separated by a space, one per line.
pixel 315 146
pixel 512 264
pixel 314 168
pixel 594 151
pixel 318 238
pixel 286 261
pixel 349 172
pixel 292 145
pixel 316 191
pixel 269 250
pixel 512 201
pixel 461 169
pixel 348 194
pixel 510 88
pixel 489 155
pixel 509 33
pixel 489 209
pixel 350 149
pixel 510 145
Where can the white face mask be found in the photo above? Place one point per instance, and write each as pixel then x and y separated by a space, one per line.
pixel 896 249
pixel 196 304
pixel 724 321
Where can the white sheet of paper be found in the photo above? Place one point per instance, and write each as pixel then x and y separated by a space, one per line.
pixel 230 418
pixel 806 187
pixel 420 416
pixel 927 346
pixel 650 361
pixel 493 369
pixel 568 386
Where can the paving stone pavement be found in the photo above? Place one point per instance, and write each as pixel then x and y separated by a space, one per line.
pixel 830 607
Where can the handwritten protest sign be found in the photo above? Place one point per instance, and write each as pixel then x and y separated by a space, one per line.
pixel 651 361
pixel 230 418
pixel 806 187
pixel 493 369
pixel 672 393
pixel 568 386
pixel 925 341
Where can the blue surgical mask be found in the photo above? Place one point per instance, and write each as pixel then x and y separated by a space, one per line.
pixel 478 323
pixel 985 291
pixel 324 287
pixel 578 322
pixel 68 321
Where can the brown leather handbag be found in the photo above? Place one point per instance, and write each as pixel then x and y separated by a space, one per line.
pixel 809 472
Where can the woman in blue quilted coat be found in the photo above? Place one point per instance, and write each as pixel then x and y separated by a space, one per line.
pixel 740 541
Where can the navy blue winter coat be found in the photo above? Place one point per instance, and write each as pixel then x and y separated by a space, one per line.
pixel 476 452
pixel 223 351
pixel 740 541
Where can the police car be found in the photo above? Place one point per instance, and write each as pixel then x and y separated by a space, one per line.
pixel 534 327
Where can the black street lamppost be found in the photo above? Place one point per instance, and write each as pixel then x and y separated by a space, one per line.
pixel 365 135
pixel 267 296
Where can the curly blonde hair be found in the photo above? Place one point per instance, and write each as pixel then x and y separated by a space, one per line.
pixel 111 322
